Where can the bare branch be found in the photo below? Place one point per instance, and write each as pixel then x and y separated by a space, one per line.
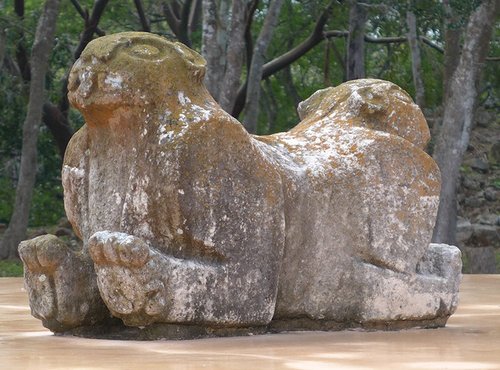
pixel 22 58
pixel 58 125
pixel 287 58
pixel 255 73
pixel 85 16
pixel 428 42
pixel 248 33
pixel 142 16
pixel 2 46
pixel 171 18
pixel 178 19
pixel 379 7
pixel 291 56
pixel 90 26
pixel 433 45
pixel 184 36
pixel 340 57
pixel 355 59
pixel 385 40
pixel 194 16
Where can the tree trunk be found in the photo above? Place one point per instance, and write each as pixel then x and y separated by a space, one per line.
pixel 214 42
pixel 286 79
pixel 235 54
pixel 356 41
pixel 55 117
pixel 3 42
pixel 458 115
pixel 416 63
pixel 452 34
pixel 57 122
pixel 42 47
pixel 146 26
pixel 258 58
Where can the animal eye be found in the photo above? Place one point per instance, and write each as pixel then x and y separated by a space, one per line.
pixel 145 51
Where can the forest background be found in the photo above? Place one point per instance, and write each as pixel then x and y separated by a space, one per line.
pixel 263 58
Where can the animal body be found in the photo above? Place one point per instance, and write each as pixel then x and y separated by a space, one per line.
pixel 186 218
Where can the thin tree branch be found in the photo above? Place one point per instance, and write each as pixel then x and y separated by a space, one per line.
pixel 85 16
pixel 90 26
pixel 385 40
pixel 255 73
pixel 22 58
pixel 339 57
pixel 248 34
pixel 287 58
pixel 178 19
pixel 194 16
pixel 3 42
pixel 146 27
pixel 184 23
pixel 428 42
pixel 58 125
pixel 396 40
pixel 171 18
pixel 55 117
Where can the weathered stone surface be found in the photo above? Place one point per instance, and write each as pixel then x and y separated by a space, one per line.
pixel 481 260
pixel 480 165
pixel 490 194
pixel 192 225
pixel 489 219
pixel 61 284
pixel 485 235
pixel 494 154
pixel 464 231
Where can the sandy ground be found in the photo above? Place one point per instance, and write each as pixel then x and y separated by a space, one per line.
pixel 471 340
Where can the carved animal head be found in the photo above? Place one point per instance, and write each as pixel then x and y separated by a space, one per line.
pixel 131 69
pixel 375 104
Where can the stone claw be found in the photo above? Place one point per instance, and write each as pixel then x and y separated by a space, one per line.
pixel 127 286
pixel 61 284
pixel 43 254
pixel 115 248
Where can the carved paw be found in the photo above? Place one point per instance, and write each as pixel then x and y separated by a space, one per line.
pixel 114 248
pixel 43 254
pixel 127 275
pixel 61 284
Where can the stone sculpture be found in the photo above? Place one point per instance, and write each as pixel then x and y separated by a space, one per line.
pixel 192 227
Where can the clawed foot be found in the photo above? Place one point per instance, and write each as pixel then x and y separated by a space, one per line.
pixel 127 276
pixel 61 284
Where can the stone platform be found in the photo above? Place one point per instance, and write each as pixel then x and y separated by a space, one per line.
pixel 471 340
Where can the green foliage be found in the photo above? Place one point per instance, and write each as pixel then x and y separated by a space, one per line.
pixel 281 92
pixel 7 195
pixel 496 183
pixel 10 268
pixel 47 208
pixel 497 259
pixel 465 263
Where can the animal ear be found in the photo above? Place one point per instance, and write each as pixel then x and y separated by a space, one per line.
pixel 313 103
pixel 194 61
